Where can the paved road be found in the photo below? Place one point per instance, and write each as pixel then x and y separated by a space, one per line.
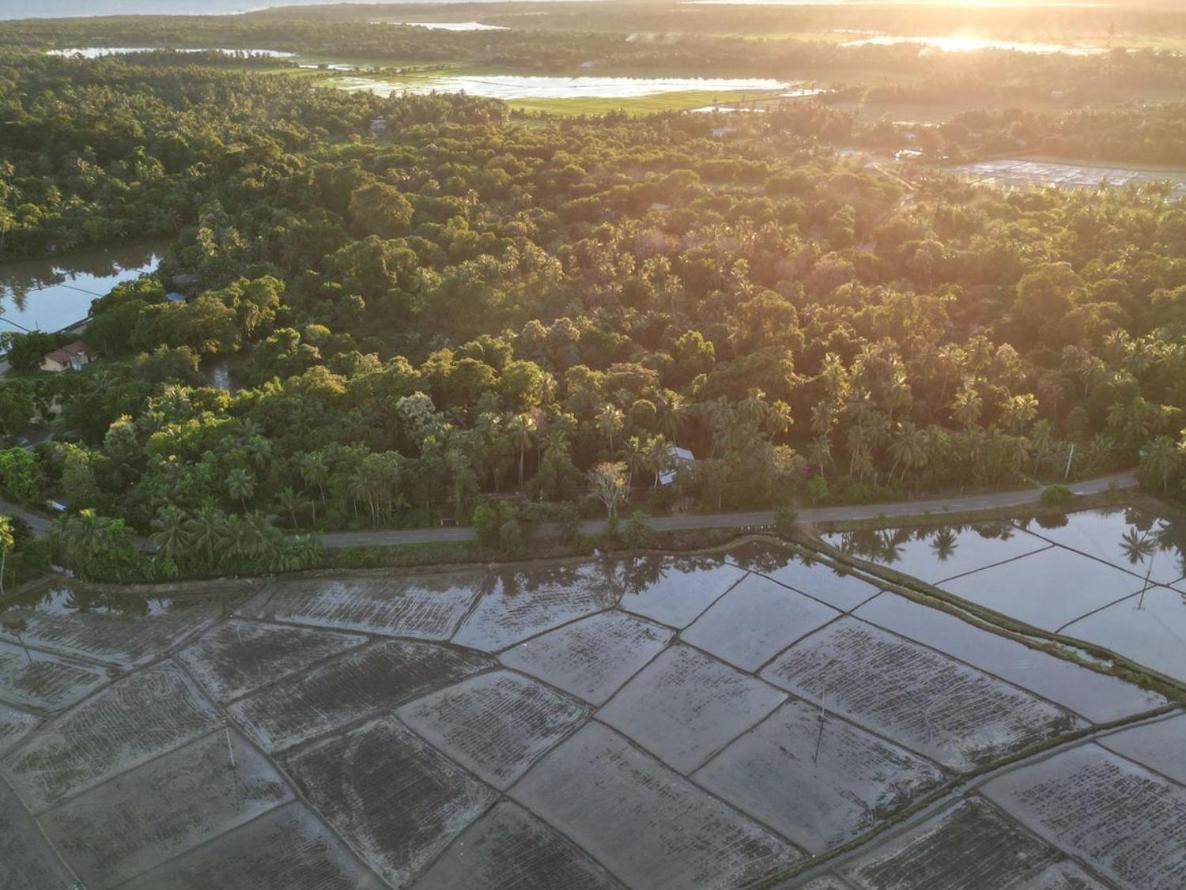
pixel 994 500
pixel 41 523
pixel 38 522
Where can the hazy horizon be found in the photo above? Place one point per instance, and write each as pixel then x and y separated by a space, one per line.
pixel 20 9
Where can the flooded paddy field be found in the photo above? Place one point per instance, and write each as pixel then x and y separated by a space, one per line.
pixel 1113 578
pixel 514 86
pixel 753 716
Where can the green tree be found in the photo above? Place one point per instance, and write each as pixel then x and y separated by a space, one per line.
pixel 380 209
pixel 607 483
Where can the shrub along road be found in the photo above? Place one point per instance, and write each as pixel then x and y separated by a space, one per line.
pixel 991 501
pixel 41 524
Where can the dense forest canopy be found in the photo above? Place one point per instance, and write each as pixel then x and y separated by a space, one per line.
pixel 461 302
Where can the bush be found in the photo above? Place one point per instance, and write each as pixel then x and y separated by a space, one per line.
pixel 1056 496
pixel 504 527
pixel 568 521
pixel 487 524
pixel 817 489
pixel 637 534
pixel 785 520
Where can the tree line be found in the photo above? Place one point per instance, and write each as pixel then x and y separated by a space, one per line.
pixel 464 306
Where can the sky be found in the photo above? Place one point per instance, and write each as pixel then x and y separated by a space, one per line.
pixel 19 9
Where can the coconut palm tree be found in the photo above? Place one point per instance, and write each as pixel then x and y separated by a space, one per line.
pixel 657 456
pixel 258 450
pixel 521 428
pixel 635 453
pixel 240 485
pixel 1161 460
pixel 207 533
pixel 966 407
pixel 84 534
pixel 1019 412
pixel 314 469
pixel 360 488
pixel 908 448
pixel 610 421
pixel 258 538
pixel 292 502
pixel 169 534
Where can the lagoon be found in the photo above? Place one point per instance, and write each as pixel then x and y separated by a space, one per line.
pixel 48 295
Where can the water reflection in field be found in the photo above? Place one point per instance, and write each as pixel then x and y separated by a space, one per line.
pixel 1016 172
pixel 1111 577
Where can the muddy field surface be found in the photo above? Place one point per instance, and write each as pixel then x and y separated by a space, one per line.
pixel 754 716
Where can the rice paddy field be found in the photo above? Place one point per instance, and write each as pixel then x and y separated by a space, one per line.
pixel 760 716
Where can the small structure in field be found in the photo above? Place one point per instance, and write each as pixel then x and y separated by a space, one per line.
pixel 676 457
pixel 71 357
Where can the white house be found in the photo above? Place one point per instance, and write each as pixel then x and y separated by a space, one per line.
pixel 676 457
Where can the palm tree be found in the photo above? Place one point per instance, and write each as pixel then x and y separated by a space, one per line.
pixel 657 456
pixel 207 532
pixel 521 429
pixel 966 407
pixel 360 487
pixel 908 448
pixel 1020 411
pixel 296 552
pixel 84 534
pixel 635 452
pixel 1160 460
pixel 259 451
pixel 610 421
pixel 258 538
pixel 292 502
pixel 7 542
pixel 314 467
pixel 823 418
pixel 240 484
pixel 169 533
